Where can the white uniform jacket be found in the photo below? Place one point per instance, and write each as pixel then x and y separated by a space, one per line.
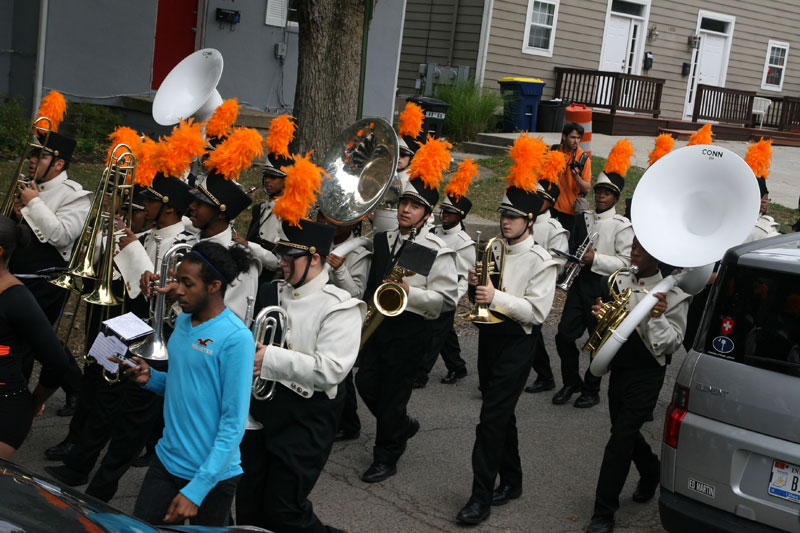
pixel 550 234
pixel 429 295
pixel 138 258
pixel 765 227
pixel 57 215
pixel 352 275
pixel 612 249
pixel 529 284
pixel 662 334
pixel 245 284
pixel 270 230
pixel 322 337
pixel 459 241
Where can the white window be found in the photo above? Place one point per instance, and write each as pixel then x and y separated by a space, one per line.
pixel 540 27
pixel 775 66
pixel 281 13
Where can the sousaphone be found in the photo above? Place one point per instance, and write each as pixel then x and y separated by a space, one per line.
pixel 190 89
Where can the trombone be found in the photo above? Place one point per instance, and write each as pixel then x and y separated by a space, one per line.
pixel 41 127
pixel 480 313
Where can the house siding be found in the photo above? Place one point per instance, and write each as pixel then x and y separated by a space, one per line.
pixel 579 39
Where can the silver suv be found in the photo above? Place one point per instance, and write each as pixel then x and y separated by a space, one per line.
pixel 730 460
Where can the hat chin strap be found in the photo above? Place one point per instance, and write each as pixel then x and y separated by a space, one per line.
pixel 413 226
pixel 518 236
pixel 302 279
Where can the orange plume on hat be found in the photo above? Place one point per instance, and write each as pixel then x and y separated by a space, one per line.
pixel 223 119
pixel 302 184
pixel 527 153
pixel 759 157
pixel 236 153
pixel 663 145
pixel 411 120
pixel 123 135
pixel 430 162
pixel 701 136
pixel 174 154
pixel 619 160
pixel 145 162
pixel 53 106
pixel 281 134
pixel 462 179
pixel 552 166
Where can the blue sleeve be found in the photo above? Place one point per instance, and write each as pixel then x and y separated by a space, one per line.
pixel 236 376
pixel 158 381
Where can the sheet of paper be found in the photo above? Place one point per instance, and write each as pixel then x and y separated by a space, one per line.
pixel 103 346
pixel 128 326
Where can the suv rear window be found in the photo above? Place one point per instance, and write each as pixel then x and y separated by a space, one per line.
pixel 753 317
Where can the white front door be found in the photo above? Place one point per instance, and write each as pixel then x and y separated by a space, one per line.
pixel 620 53
pixel 710 60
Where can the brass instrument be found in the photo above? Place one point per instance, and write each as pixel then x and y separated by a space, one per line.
pixel 480 312
pixel 268 320
pixel 612 313
pixel 389 300
pixel 42 126
pixel 574 267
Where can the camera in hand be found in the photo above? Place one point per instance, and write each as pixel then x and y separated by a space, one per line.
pixel 580 163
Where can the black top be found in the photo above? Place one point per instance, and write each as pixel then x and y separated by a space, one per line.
pixel 24 328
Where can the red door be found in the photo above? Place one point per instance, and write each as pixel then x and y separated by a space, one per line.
pixel 175 36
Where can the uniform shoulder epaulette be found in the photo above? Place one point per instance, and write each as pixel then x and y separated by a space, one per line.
pixel 543 254
pixel 622 218
pixel 465 237
pixel 434 238
pixel 556 224
pixel 74 185
pixel 341 295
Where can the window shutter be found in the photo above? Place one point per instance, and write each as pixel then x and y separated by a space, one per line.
pixel 276 13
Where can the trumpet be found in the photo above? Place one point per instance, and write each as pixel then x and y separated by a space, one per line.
pixel 480 313
pixel 41 127
pixel 575 261
pixel 269 320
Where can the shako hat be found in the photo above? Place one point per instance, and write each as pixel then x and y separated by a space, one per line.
pixel 549 173
pixel 759 158
pixel 226 195
pixel 58 145
pixel 619 161
pixel 455 200
pixel 306 238
pixel 426 170
pixel 520 198
pixel 169 190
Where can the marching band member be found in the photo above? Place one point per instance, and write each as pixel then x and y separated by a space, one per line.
pixel 610 251
pixel 505 350
pixel 392 355
pixel 759 156
pixel 283 460
pixel 198 466
pixel 444 340
pixel 409 128
pixel 637 374
pixel 550 235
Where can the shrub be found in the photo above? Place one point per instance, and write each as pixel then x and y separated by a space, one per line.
pixel 472 110
pixel 90 125
pixel 14 124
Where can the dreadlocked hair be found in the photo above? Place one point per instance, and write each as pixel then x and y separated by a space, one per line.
pixel 215 260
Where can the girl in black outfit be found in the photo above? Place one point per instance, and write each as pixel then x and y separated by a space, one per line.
pixel 23 329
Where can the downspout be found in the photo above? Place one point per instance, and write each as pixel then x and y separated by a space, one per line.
pixel 483 45
pixel 453 27
pixel 37 84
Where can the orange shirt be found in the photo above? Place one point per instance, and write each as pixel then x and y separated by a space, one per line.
pixel 566 183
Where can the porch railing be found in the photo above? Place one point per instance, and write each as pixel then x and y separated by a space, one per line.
pixel 723 105
pixel 610 90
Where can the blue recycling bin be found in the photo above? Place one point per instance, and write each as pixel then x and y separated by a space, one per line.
pixel 521 96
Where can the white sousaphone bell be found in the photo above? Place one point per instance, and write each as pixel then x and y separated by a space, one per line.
pixel 688 209
pixel 190 89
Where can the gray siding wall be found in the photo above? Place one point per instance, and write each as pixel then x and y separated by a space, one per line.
pixel 22 58
pixel 426 36
pixel 6 50
pixel 579 37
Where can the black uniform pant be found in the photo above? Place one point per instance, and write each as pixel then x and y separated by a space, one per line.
pixel 504 362
pixel 349 421
pixel 389 361
pixel 632 395
pixel 283 460
pixel 541 361
pixel 444 341
pixel 576 319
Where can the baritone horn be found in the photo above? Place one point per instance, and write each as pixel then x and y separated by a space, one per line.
pixel 480 312
pixel 268 328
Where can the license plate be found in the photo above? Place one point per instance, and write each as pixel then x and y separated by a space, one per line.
pixel 435 114
pixel 785 481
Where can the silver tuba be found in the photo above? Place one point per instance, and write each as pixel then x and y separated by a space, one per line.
pixel 267 321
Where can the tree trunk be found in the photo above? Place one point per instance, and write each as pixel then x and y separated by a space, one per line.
pixel 328 71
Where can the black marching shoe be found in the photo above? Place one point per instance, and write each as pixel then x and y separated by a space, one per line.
pixel 454 375
pixel 419 382
pixel 343 435
pixel 541 386
pixel 67 476
pixel 474 513
pixel 378 472
pixel 600 525
pixel 505 493
pixel 69 406
pixel 586 400
pixel 144 460
pixel 566 392
pixel 60 451
pixel 645 490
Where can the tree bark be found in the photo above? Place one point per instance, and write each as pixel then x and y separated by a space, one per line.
pixel 328 71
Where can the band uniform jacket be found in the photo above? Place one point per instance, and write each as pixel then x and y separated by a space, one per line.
pixel 663 334
pixel 264 226
pixel 245 284
pixel 57 215
pixel 765 227
pixel 612 249
pixel 550 234
pixel 429 295
pixel 140 256
pixel 462 244
pixel 529 284
pixel 322 337
pixel 352 275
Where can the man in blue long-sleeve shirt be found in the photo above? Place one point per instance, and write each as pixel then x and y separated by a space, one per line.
pixel 206 396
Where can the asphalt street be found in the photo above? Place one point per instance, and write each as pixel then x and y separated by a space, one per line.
pixel 561 449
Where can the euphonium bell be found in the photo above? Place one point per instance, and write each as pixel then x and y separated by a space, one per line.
pixel 480 313
pixel 268 321
pixel 612 314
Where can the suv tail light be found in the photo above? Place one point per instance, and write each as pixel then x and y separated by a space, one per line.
pixel 675 412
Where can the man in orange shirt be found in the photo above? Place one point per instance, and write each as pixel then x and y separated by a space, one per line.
pixel 576 178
